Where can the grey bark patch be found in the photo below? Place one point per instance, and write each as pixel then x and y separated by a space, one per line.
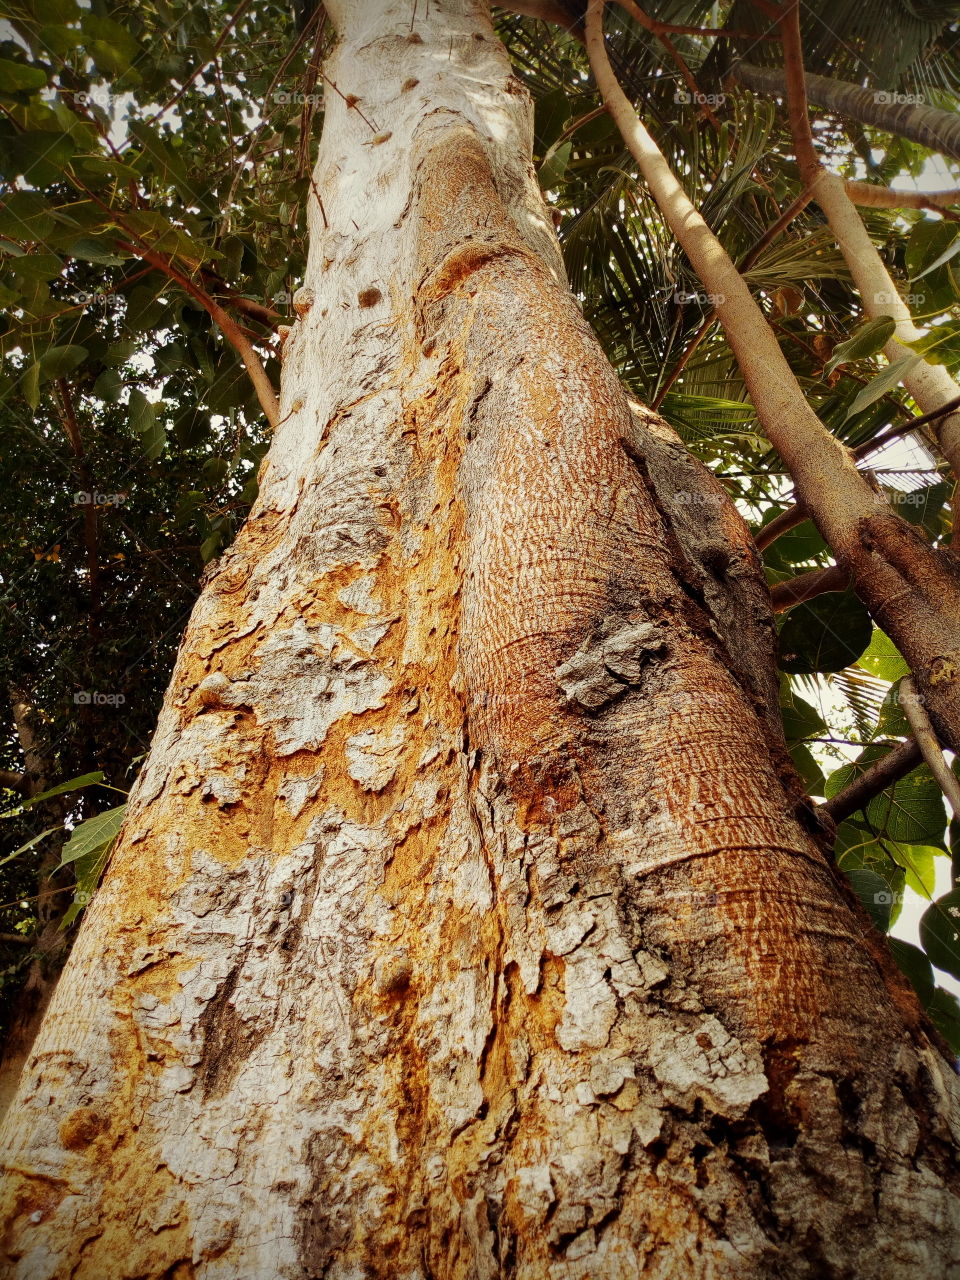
pixel 606 667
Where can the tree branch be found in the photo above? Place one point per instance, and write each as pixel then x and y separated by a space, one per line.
pixel 871 196
pixel 926 740
pixel 818 582
pixel 230 329
pixel 896 764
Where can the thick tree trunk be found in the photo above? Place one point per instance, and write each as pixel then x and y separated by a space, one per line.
pixel 462 925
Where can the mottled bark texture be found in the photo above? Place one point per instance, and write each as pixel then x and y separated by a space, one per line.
pixel 462 926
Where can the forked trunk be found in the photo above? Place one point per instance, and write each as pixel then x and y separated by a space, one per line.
pixel 462 926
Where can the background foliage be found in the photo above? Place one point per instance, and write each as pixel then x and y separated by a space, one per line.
pixel 156 159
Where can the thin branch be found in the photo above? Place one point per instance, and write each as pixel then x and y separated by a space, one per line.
pixel 229 328
pixel 926 738
pixel 662 32
pixel 872 196
pixel 805 586
pixel 896 764
pixel 783 523
pixel 172 102
pixel 90 539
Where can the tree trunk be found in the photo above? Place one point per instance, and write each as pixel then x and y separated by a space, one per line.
pixel 462 925
pixel 886 109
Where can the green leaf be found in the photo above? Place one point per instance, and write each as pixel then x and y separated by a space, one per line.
pixel 867 341
pixel 824 634
pixel 87 249
pixel 927 242
pixel 73 784
pixel 875 894
pixel 882 657
pixel 554 167
pixel 25 215
pixel 944 1011
pixel 90 836
pixel 30 385
pixel 800 719
pixel 917 861
pixel 808 769
pixel 57 362
pixel 885 381
pixel 911 811
pixel 948 253
pixel 142 413
pixel 940 932
pixel 912 962
pixel 15 76
pixel 29 845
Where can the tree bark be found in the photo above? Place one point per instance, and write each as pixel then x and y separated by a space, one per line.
pixel 462 925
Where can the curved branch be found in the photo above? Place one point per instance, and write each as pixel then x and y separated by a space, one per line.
pixel 228 327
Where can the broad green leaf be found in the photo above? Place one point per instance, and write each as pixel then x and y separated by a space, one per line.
pixel 807 767
pixel 940 932
pixel 885 381
pixel 944 1011
pixel 30 385
pixel 948 253
pixel 800 719
pixel 882 657
pixel 91 835
pixel 867 341
pixel 912 962
pixel 875 894
pixel 142 413
pixel 824 634
pixel 552 170
pixel 57 362
pixel 15 76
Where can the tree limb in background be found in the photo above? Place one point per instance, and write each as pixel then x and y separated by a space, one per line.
pixel 818 582
pixel 871 196
pixel 228 327
pixel 839 499
pixel 931 127
pixel 926 740
pixel 930 385
pixel 896 764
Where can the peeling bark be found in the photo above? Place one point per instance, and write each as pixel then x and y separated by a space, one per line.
pixel 461 926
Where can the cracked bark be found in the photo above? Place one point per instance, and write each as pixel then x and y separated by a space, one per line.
pixel 408 963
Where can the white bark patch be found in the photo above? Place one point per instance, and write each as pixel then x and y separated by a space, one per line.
pixel 706 1062
pixel 307 680
pixel 297 792
pixel 374 758
pixel 604 668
